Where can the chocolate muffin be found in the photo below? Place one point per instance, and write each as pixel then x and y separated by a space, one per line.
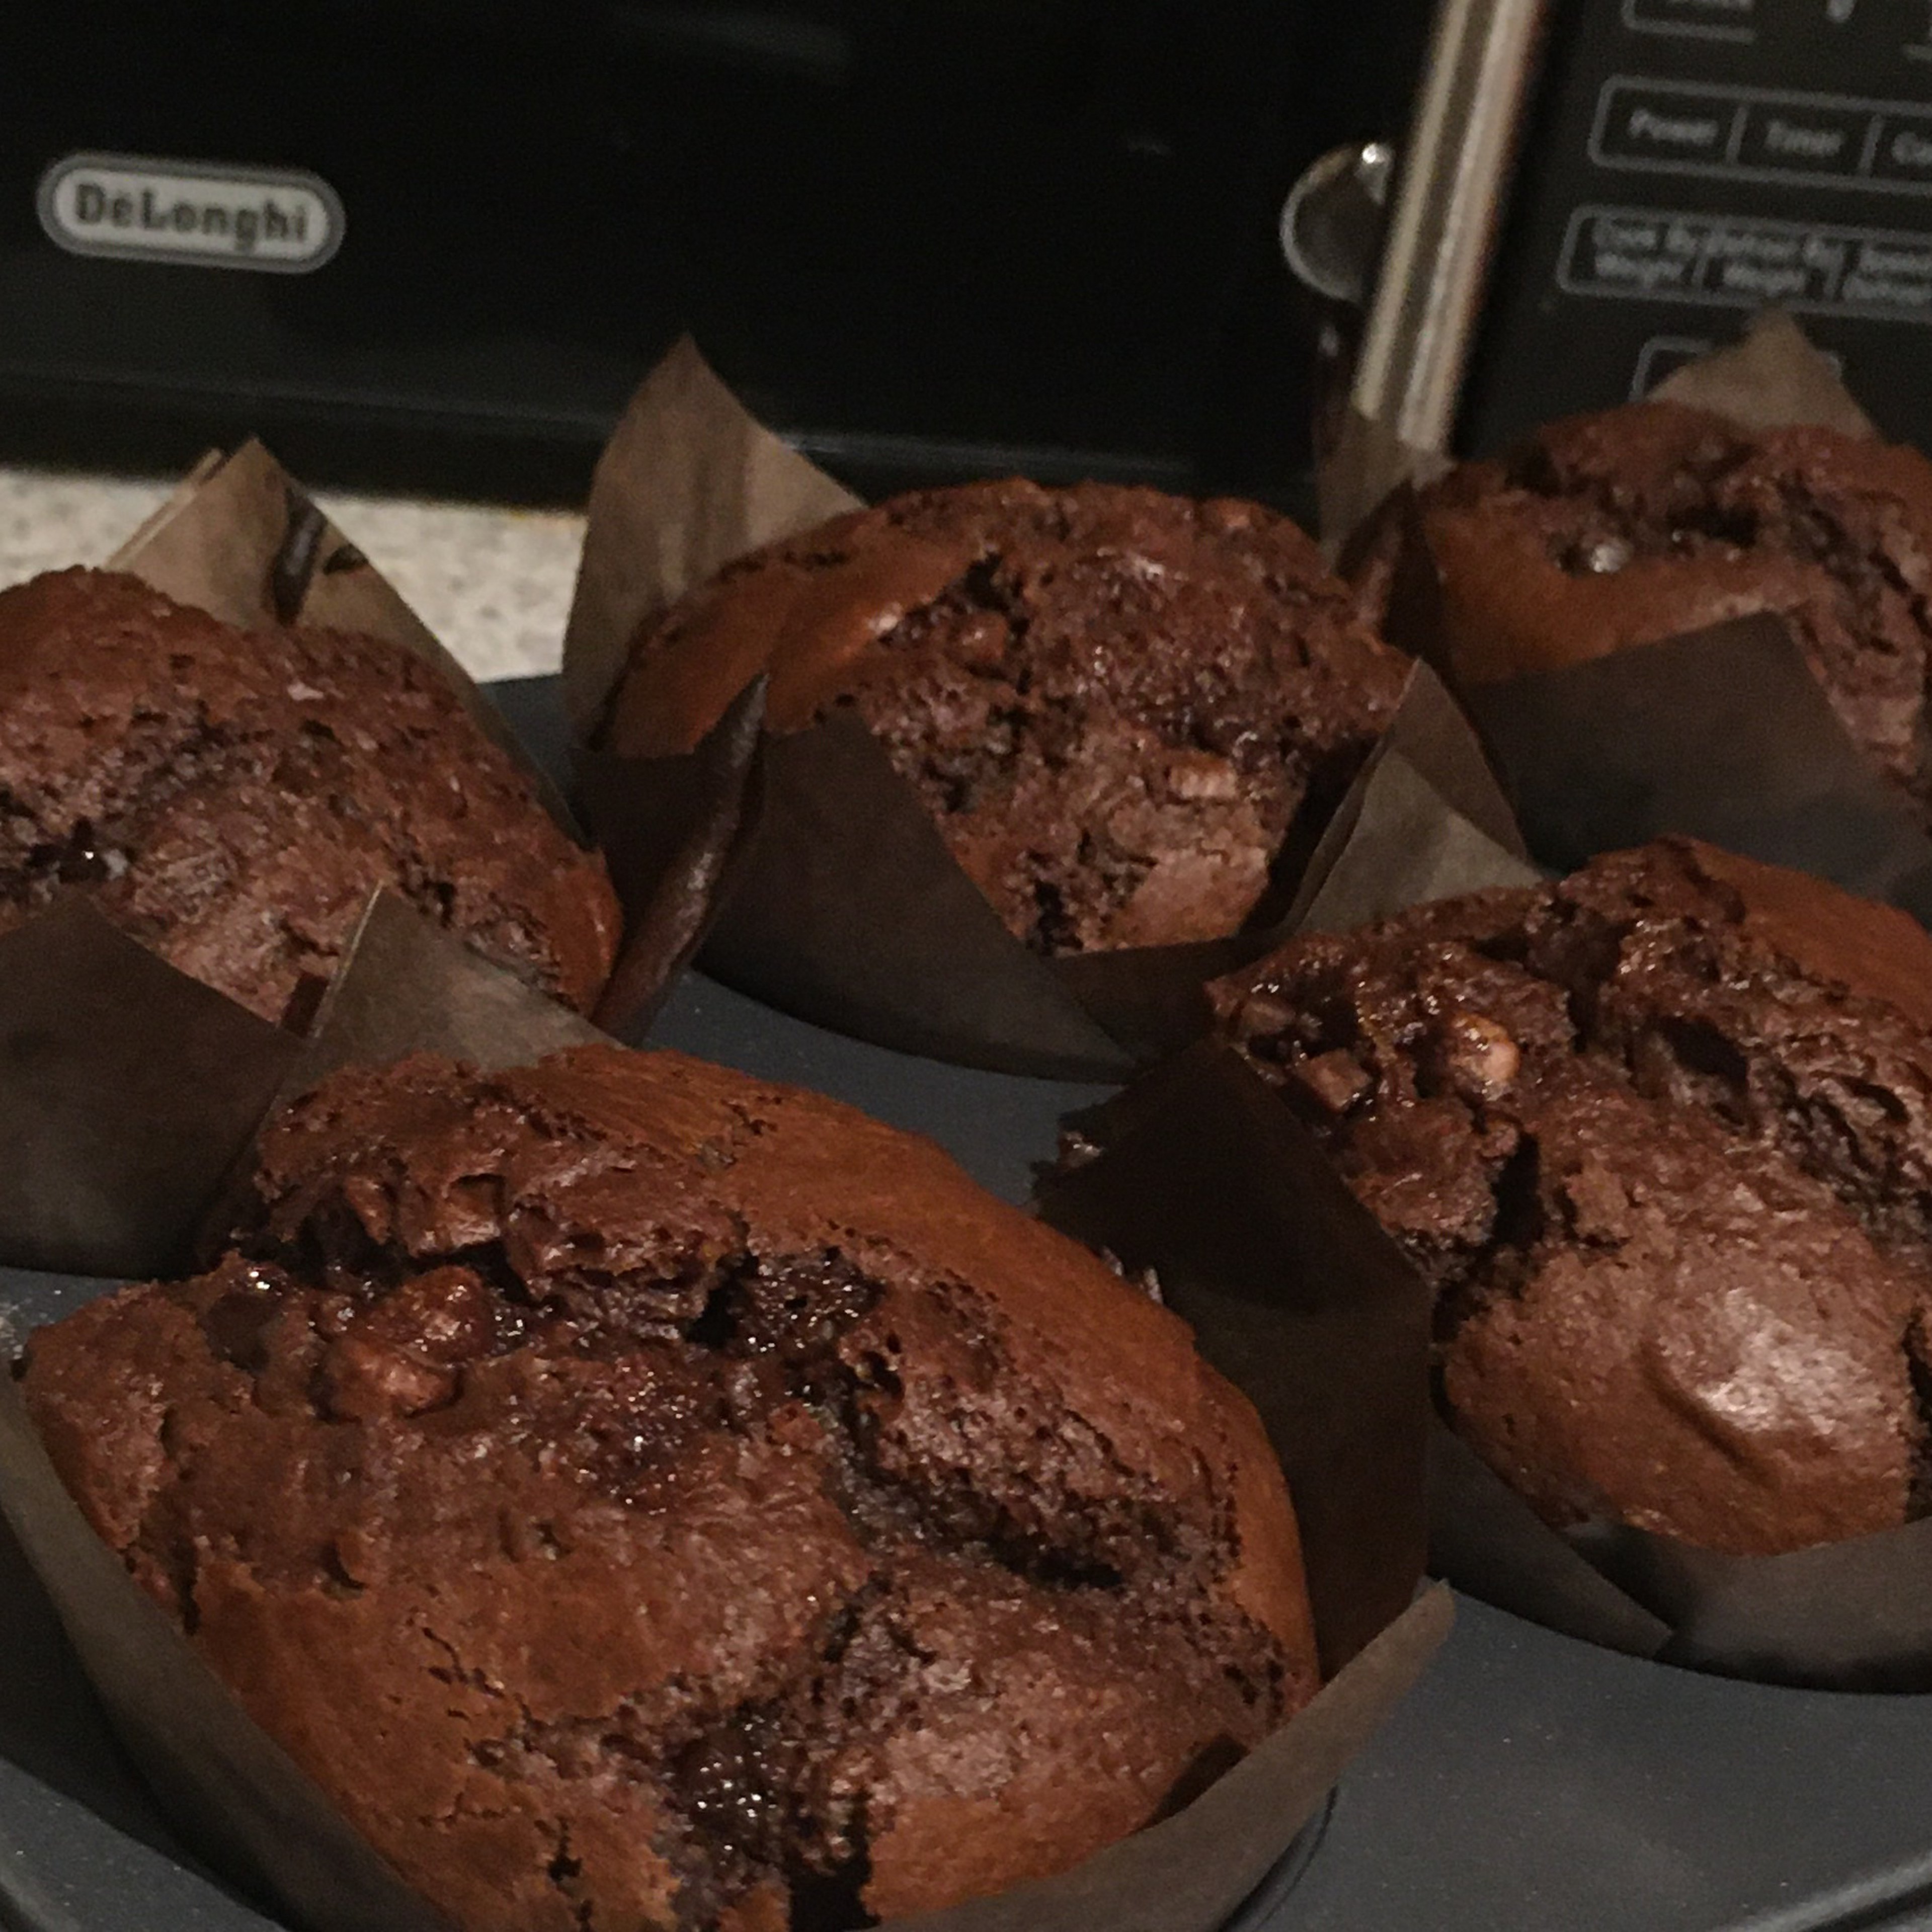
pixel 1659 1136
pixel 642 1496
pixel 231 797
pixel 1113 703
pixel 1644 522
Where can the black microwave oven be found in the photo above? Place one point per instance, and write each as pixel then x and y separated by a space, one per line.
pixel 1689 162
pixel 438 241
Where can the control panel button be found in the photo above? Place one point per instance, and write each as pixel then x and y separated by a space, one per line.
pixel 1890 276
pixel 1753 263
pixel 1746 261
pixel 1642 124
pixel 1633 252
pixel 1805 140
pixel 1903 150
pixel 1763 134
pixel 1717 20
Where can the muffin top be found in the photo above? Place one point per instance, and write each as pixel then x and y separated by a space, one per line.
pixel 231 797
pixel 637 1494
pixel 1659 1136
pixel 1641 522
pixel 1114 702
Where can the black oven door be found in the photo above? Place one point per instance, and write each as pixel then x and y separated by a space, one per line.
pixel 942 240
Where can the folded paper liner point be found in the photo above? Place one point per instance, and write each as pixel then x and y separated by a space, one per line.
pixel 223 542
pixel 1773 378
pixel 233 1791
pixel 1425 819
pixel 658 523
pixel 678 863
pixel 408 986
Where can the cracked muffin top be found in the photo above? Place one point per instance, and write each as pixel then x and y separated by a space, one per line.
pixel 1113 703
pixel 1660 1137
pixel 1641 523
pixel 641 1496
pixel 232 798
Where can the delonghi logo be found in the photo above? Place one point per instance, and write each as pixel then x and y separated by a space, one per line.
pixel 121 204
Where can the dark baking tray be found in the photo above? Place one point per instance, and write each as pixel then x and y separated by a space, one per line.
pixel 1531 1784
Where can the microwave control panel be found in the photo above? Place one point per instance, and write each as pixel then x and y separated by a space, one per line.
pixel 1689 161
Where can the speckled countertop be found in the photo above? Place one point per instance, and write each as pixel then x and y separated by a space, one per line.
pixel 492 584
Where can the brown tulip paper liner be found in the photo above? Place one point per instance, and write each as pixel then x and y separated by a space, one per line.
pixel 234 1794
pixel 407 986
pixel 1723 734
pixel 126 1089
pixel 1851 1616
pixel 846 908
pixel 130 1092
pixel 1295 1294
pixel 241 539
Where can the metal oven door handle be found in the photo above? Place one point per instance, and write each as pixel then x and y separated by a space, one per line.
pixel 1450 193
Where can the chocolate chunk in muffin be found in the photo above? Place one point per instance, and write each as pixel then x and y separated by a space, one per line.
pixel 1660 1137
pixel 1645 522
pixel 1113 703
pixel 641 1495
pixel 231 797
